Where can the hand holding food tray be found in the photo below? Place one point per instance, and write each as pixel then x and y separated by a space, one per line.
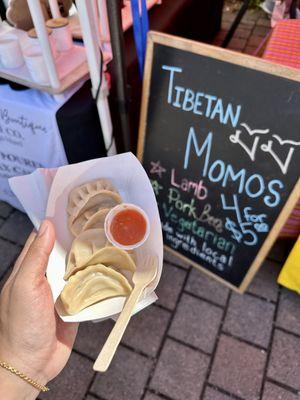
pixel 125 181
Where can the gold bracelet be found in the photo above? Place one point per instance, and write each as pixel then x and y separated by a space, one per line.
pixel 25 378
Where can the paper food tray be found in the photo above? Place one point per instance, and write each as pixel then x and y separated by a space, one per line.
pixel 44 193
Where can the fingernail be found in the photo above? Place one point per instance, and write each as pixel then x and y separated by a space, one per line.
pixel 43 228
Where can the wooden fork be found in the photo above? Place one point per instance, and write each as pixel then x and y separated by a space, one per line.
pixel 143 276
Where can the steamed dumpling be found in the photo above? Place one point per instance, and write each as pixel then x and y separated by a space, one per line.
pixel 79 195
pixel 83 248
pixel 96 220
pixel 101 200
pixel 91 285
pixel 108 255
pixel 87 199
pixel 113 256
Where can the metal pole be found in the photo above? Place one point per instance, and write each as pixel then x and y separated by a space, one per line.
pixel 117 44
pixel 236 22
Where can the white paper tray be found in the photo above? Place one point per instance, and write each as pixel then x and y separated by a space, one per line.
pixel 45 193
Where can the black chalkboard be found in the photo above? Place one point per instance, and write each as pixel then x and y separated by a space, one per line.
pixel 219 139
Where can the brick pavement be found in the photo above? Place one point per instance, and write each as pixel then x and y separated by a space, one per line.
pixel 250 33
pixel 200 341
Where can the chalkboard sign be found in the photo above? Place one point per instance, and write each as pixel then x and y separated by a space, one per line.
pixel 219 139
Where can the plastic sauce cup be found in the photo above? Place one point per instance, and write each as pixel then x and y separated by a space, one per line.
pixel 127 226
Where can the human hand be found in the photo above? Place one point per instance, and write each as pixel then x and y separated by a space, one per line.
pixel 33 339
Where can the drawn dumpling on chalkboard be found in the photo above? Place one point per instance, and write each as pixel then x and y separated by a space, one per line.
pixel 265 147
pixel 236 139
pixel 268 148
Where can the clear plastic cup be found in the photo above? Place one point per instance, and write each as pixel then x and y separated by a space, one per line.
pixel 113 213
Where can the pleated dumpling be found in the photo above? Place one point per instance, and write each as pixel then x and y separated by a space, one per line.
pixel 92 285
pixel 114 257
pixel 102 200
pixel 79 195
pixel 87 199
pixel 83 248
pixel 108 255
pixel 90 219
pixel 96 220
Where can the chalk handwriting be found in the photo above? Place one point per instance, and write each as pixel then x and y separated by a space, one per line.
pixel 240 229
pixel 199 103
pixel 217 171
pixel 254 131
pixel 197 189
pixel 268 148
pixel 171 79
pixel 231 226
pixel 257 219
pixel 156 168
pixel 156 187
pixel 206 216
pixel 215 258
pixel 282 141
pixel 185 225
pixel 236 139
pixel 166 227
pixel 189 208
pixel 234 208
pixel 186 219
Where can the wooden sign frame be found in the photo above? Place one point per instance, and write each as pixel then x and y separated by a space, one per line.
pixel 232 58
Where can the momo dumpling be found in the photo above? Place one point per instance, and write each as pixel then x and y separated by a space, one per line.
pixel 98 201
pixel 102 200
pixel 87 199
pixel 83 248
pixel 96 220
pixel 92 285
pixel 90 219
pixel 78 196
pixel 108 255
pixel 114 257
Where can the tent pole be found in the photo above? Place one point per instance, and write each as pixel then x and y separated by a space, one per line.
pixel 117 43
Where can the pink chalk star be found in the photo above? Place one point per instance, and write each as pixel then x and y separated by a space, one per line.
pixel 157 168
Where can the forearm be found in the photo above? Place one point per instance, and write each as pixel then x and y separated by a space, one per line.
pixel 12 387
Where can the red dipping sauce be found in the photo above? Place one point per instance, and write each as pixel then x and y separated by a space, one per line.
pixel 128 227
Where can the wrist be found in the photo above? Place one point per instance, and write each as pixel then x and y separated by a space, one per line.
pixel 22 364
pixel 12 387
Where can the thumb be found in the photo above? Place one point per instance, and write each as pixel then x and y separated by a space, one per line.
pixel 36 260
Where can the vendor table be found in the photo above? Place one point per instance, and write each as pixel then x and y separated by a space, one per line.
pixel 37 130
pixel 284 48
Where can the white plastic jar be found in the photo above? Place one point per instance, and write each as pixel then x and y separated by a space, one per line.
pixel 61 33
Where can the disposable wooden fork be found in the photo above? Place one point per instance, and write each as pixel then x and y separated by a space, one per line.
pixel 143 276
